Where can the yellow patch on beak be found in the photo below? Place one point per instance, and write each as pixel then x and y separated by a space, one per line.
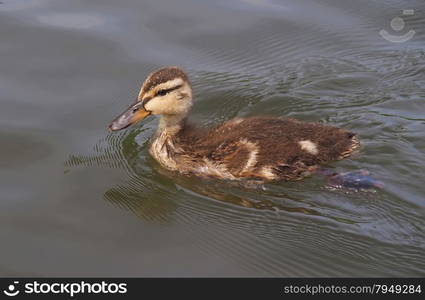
pixel 139 115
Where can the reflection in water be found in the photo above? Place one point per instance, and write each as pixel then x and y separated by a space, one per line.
pixel 140 201
pixel 120 151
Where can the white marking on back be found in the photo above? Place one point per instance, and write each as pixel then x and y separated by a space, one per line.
pixel 309 146
pixel 252 157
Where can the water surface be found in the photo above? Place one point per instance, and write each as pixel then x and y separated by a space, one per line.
pixel 79 201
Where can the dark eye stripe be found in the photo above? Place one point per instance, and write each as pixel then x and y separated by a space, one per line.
pixel 166 91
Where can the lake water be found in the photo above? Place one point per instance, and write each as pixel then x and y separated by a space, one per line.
pixel 79 201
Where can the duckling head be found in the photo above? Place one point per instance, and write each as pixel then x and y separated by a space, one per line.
pixel 166 92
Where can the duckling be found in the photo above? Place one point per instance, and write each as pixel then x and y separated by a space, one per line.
pixel 262 148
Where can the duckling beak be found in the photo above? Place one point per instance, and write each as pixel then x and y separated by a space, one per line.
pixel 132 115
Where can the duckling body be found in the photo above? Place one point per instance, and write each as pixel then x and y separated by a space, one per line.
pixel 267 148
pixel 264 148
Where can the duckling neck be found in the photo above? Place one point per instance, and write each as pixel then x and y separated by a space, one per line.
pixel 171 124
pixel 164 147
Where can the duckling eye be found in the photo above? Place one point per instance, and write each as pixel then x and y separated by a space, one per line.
pixel 162 92
pixel 166 91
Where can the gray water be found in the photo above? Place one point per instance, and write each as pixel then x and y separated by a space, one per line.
pixel 76 200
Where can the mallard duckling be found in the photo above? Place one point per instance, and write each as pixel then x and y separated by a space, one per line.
pixel 263 148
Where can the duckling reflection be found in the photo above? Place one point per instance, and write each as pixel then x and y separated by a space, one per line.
pixel 136 194
pixel 222 191
pixel 215 190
